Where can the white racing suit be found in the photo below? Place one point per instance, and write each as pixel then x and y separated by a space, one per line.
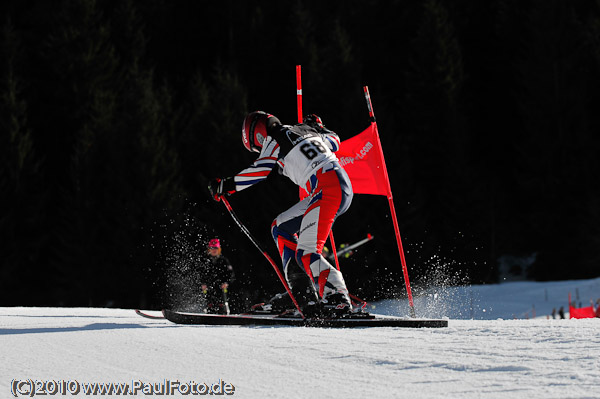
pixel 306 156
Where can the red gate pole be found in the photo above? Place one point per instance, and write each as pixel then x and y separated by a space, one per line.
pixel 300 119
pixel 391 203
pixel 299 91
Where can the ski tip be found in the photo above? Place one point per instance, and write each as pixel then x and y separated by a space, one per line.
pixel 149 316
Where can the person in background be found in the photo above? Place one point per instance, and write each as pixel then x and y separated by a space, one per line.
pixel 215 275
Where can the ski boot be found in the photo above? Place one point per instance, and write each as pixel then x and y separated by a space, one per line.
pixel 278 304
pixel 336 305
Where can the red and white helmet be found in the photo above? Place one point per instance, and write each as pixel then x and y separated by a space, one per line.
pixel 254 129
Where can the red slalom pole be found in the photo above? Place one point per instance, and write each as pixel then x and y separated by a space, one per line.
pixel 334 250
pixel 391 203
pixel 299 92
pixel 300 119
pixel 265 254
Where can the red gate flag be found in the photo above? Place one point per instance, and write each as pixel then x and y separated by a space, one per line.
pixel 582 313
pixel 362 158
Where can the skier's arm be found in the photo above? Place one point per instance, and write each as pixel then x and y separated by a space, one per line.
pixel 230 277
pixel 330 138
pixel 253 174
pixel 261 168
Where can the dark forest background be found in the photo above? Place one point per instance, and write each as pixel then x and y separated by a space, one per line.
pixel 115 115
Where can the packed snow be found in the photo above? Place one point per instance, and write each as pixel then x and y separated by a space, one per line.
pixel 70 348
pixel 515 300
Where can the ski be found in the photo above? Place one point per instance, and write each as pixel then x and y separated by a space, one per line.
pixel 148 316
pixel 353 321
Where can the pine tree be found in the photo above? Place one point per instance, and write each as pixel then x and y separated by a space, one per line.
pixel 83 70
pixel 149 189
pixel 21 193
pixel 434 132
pixel 556 156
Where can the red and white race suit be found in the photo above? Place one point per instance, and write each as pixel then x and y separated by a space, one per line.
pixel 306 156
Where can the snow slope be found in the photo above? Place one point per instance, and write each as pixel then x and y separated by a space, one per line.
pixel 516 300
pixel 470 359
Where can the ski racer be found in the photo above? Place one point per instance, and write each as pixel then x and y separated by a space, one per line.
pixel 305 154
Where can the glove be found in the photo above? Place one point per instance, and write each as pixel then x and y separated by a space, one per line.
pixel 313 121
pixel 220 187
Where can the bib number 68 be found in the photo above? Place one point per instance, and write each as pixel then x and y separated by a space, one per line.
pixel 311 149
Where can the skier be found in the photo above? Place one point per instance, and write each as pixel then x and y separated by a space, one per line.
pixel 215 275
pixel 305 154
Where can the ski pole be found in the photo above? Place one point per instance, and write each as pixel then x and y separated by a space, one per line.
pixel 225 300
pixel 355 245
pixel 265 254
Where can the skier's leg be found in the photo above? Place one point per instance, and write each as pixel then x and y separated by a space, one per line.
pixel 332 199
pixel 284 229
